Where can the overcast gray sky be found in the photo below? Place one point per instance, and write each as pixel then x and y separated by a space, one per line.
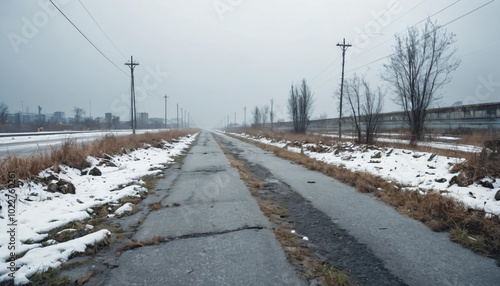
pixel 214 57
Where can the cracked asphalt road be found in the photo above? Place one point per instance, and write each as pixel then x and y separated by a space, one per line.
pixel 217 234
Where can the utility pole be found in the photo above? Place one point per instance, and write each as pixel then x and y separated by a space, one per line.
pixel 245 119
pixel 344 47
pixel 39 115
pixel 235 118
pixel 133 119
pixel 188 120
pixel 177 116
pixel 272 114
pixel 185 119
pixel 166 123
pixel 182 118
pixel 90 109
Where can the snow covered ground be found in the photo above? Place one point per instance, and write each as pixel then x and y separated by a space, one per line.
pixel 433 144
pixel 13 143
pixel 39 211
pixel 418 170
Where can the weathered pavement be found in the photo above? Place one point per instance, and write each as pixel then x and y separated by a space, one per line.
pixel 217 234
pixel 408 248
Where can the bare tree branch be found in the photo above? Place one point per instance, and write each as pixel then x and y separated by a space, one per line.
pixel 420 66
pixel 300 104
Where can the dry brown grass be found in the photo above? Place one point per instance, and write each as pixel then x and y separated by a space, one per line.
pixel 135 244
pixel 310 267
pixel 156 206
pixel 50 277
pixel 71 265
pixel 75 154
pixel 292 137
pixel 84 278
pixel 440 213
pixel 478 138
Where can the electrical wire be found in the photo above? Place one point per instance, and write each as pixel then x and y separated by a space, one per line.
pixel 88 12
pixel 470 12
pixel 445 8
pixel 145 87
pixel 329 65
pixel 88 38
pixel 402 16
pixel 376 20
pixel 439 27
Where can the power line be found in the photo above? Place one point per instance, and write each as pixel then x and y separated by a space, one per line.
pixel 445 8
pixel 466 14
pixel 437 28
pixel 407 12
pixel 87 38
pixel 376 20
pixel 327 67
pixel 328 80
pixel 402 16
pixel 442 26
pixel 88 12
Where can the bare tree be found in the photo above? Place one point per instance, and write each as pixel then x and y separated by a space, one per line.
pixel 300 103
pixel 271 113
pixel 264 112
pixel 365 105
pixel 420 65
pixel 4 109
pixel 353 94
pixel 371 108
pixel 78 114
pixel 256 117
pixel 293 108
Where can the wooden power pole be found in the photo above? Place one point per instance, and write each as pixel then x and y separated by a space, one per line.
pixel 344 47
pixel 132 95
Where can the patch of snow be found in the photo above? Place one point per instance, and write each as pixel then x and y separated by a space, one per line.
pixel 124 209
pixel 39 211
pixel 43 258
pixel 416 170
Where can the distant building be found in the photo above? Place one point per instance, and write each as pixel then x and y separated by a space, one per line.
pixel 142 119
pixel 156 122
pixel 111 121
pixel 172 123
pixel 58 117
pixel 28 118
pixel 108 117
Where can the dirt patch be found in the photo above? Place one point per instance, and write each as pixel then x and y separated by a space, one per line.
pixel 326 241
